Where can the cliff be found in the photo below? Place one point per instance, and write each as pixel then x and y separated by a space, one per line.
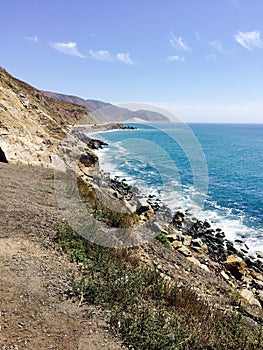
pixel 31 123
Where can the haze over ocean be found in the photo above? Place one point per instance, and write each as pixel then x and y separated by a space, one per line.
pixel 234 157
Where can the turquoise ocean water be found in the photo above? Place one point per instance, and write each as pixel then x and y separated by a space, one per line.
pixel 213 170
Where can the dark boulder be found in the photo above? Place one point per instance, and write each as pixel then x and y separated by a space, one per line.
pixel 3 158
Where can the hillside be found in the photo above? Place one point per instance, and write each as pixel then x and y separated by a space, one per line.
pixel 31 123
pixel 106 112
pixel 35 278
pixel 173 282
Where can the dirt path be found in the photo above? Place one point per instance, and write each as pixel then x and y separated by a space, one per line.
pixel 35 310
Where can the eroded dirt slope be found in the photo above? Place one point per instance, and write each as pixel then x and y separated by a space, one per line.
pixel 35 310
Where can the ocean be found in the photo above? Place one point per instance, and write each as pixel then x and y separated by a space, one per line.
pixel 215 171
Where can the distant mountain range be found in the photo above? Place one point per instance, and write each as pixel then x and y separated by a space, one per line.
pixel 106 112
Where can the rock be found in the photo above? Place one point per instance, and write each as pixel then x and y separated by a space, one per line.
pixel 246 281
pixel 172 237
pixel 205 267
pixel 3 156
pixel 131 207
pixel 260 295
pixel 187 240
pixel 142 206
pixel 248 296
pixel 176 244
pixel 236 266
pixel 258 284
pixel 257 276
pixel 175 233
pixel 147 215
pixel 220 234
pixel 178 219
pixel 156 227
pixel 197 242
pixel 201 250
pixel 193 260
pixel 185 251
pixel 88 159
pixel 230 248
pixel 225 275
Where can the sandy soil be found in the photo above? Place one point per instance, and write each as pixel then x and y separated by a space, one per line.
pixel 36 312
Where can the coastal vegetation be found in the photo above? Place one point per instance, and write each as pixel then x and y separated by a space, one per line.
pixel 189 288
pixel 147 310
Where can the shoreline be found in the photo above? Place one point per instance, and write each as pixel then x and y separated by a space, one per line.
pixel 194 240
pixel 237 245
pixel 240 243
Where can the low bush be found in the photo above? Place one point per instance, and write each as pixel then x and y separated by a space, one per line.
pixel 146 310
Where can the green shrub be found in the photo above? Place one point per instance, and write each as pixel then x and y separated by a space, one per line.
pixel 147 311
pixel 161 237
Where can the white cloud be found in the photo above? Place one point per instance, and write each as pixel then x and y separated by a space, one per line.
pixel 249 40
pixel 217 45
pixel 175 58
pixel 124 58
pixel 211 58
pixel 69 48
pixel 32 38
pixel 101 55
pixel 179 43
pixel 105 55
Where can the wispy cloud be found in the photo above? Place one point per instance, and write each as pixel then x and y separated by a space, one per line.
pixel 217 46
pixel 175 58
pixel 211 58
pixel 68 48
pixel 105 55
pixel 32 38
pixel 178 43
pixel 249 40
pixel 198 37
pixel 124 58
pixel 101 55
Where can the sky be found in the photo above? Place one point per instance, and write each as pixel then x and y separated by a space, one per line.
pixel 202 60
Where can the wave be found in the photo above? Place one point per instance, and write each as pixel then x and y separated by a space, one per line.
pixel 153 174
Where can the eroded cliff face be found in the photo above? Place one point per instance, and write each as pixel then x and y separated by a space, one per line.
pixel 32 125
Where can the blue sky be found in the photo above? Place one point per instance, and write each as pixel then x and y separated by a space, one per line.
pixel 200 59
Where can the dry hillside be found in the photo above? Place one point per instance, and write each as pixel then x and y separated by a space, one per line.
pixel 32 124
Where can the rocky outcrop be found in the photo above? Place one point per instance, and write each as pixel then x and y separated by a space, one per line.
pixel 209 250
pixel 32 125
pixel 3 156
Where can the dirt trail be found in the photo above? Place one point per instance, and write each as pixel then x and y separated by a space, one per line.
pixel 35 310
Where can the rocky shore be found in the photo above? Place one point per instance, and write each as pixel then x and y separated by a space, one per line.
pixel 203 275
pixel 206 248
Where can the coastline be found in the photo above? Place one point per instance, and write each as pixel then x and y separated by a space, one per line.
pixel 184 236
pixel 229 224
pixel 238 245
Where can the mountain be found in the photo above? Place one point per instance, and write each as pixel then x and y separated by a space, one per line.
pixel 107 112
pixel 33 124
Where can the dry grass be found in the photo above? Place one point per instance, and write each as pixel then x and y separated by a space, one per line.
pixel 147 311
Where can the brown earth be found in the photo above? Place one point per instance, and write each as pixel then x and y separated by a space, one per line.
pixel 35 281
pixel 35 278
